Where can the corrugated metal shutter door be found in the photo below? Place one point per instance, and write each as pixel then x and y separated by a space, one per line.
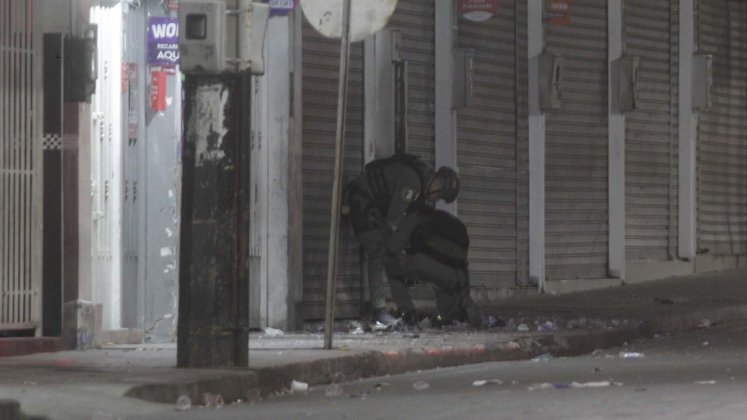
pixel 722 133
pixel 647 137
pixel 20 167
pixel 576 148
pixel 321 60
pixel 416 20
pixel 486 151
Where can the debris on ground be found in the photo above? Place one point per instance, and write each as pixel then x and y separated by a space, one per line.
pixel 273 332
pixel 334 391
pixel 544 357
pixel 380 386
pixel 709 382
pixel 664 301
pixel 298 386
pixel 421 385
pixel 213 400
pixel 573 385
pixel 546 326
pixel 522 327
pixel 183 403
pixel 631 355
pixel 704 323
pixel 483 382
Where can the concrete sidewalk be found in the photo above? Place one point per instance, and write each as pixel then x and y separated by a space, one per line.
pixel 125 381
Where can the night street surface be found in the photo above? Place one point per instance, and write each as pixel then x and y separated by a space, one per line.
pixel 700 374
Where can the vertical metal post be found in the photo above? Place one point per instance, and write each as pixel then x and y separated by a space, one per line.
pixel 336 186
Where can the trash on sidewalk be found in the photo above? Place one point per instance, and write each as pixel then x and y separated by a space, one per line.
pixel 664 301
pixel 489 321
pixel 513 345
pixel 546 326
pixel 334 391
pixel 541 386
pixel 212 400
pixel 421 385
pixel 709 382
pixel 183 403
pixel 704 323
pixel 378 326
pixel 544 357
pixel 522 327
pixel 573 385
pixel 631 355
pixel 273 332
pixel 298 386
pixel 706 344
pixel 483 382
pixel 380 386
pixel 595 384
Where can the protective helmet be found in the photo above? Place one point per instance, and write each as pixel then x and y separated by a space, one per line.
pixel 449 180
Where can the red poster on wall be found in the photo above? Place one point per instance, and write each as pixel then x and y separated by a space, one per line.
pixel 557 12
pixel 477 10
pixel 158 90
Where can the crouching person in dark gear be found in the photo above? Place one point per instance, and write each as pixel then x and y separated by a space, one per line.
pixel 379 199
pixel 436 253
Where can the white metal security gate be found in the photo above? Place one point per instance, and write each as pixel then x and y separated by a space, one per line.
pixel 576 148
pixel 722 131
pixel 488 153
pixel 650 142
pixel 320 63
pixel 106 165
pixel 20 167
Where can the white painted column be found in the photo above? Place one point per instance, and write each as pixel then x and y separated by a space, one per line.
pixel 687 133
pixel 535 46
pixel 446 140
pixel 278 103
pixel 616 151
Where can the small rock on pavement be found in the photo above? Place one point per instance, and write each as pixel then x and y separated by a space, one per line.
pixel 421 385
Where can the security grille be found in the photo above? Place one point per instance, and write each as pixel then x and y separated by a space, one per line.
pixel 20 167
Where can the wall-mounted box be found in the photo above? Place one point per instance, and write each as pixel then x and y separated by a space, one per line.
pixel 628 83
pixel 551 80
pixel 702 80
pixel 464 69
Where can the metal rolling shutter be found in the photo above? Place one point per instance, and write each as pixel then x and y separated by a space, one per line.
pixel 321 60
pixel 416 20
pixel 647 137
pixel 576 148
pixel 722 131
pixel 486 151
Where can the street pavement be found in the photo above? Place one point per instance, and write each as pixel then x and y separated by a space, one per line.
pixel 698 374
pixel 125 381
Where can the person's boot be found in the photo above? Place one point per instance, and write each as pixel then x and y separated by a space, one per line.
pixel 471 311
pixel 383 317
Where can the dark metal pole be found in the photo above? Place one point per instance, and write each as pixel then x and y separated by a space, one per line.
pixel 334 227
pixel 213 274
